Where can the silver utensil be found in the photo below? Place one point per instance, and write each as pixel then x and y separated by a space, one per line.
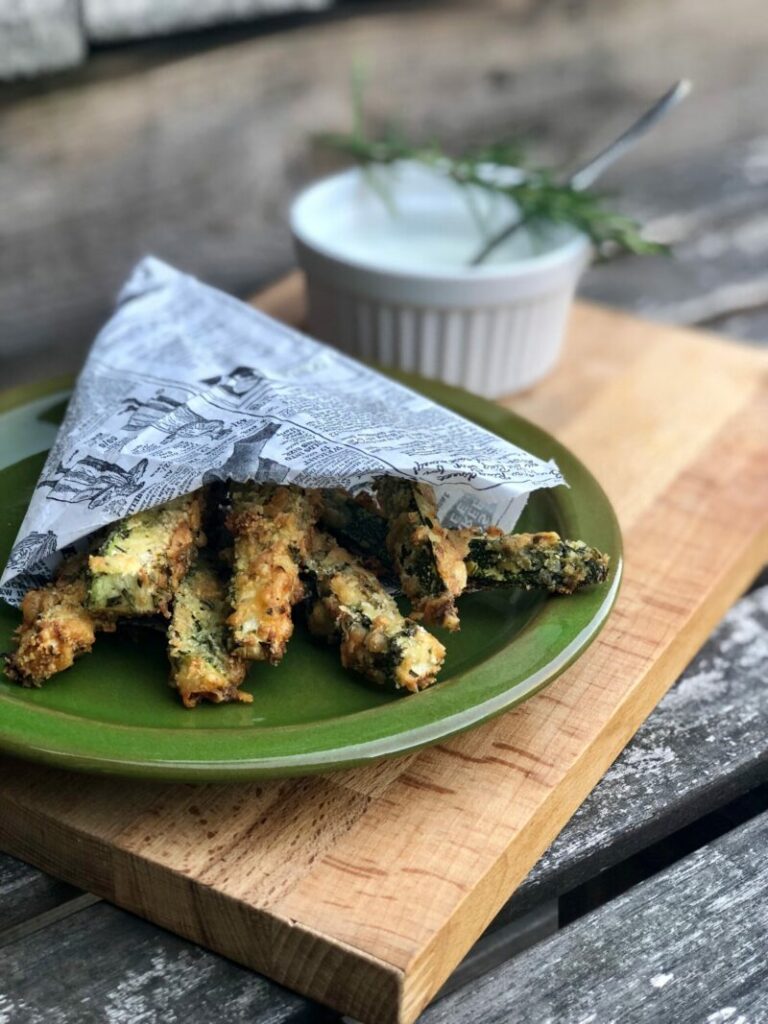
pixel 587 174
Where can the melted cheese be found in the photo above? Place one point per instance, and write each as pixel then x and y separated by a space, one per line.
pixel 144 558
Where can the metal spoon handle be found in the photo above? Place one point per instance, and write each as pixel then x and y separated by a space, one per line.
pixel 591 171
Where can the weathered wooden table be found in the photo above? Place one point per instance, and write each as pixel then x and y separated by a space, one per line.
pixel 650 906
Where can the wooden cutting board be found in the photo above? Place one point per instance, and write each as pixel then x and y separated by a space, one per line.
pixel 365 888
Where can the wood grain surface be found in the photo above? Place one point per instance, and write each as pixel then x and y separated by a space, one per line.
pixel 103 966
pixel 364 889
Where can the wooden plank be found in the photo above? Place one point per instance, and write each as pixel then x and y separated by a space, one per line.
pixel 106 965
pixel 138 152
pixel 712 214
pixel 48 917
pixel 749 325
pixel 687 945
pixel 614 820
pixel 26 893
pixel 38 36
pixel 364 890
pixel 109 22
pixel 703 746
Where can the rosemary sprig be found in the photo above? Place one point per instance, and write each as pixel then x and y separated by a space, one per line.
pixel 537 195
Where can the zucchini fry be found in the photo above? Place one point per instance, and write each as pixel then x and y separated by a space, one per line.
pixel 530 560
pixel 56 626
pixel 271 525
pixel 356 521
pixel 431 570
pixel 493 558
pixel 144 557
pixel 202 665
pixel 353 607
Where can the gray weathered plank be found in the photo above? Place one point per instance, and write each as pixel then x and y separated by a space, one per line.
pixel 196 158
pixel 39 35
pixel 26 893
pixel 748 325
pixel 504 942
pixel 107 21
pixel 104 964
pixel 704 745
pixel 687 945
pixel 713 213
pixel 48 917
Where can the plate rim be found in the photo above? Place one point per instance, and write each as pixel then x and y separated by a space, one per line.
pixel 18 738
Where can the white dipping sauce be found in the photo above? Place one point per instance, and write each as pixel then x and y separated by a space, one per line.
pixel 428 222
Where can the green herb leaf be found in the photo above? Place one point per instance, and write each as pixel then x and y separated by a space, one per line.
pixel 538 196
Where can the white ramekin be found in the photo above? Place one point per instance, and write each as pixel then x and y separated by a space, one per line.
pixel 493 329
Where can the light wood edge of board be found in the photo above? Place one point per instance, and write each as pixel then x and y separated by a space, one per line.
pixel 284 299
pixel 234 928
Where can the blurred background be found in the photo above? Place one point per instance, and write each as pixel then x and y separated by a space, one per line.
pixel 183 129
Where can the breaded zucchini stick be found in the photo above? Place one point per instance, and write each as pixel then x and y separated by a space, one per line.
pixel 356 521
pixel 352 606
pixel 202 665
pixel 271 525
pixel 144 557
pixel 431 570
pixel 540 561
pixel 493 558
pixel 56 626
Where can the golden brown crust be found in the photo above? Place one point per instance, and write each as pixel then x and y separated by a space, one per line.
pixel 271 525
pixel 56 627
pixel 375 640
pixel 431 570
pixel 196 682
pixel 186 538
pixel 144 557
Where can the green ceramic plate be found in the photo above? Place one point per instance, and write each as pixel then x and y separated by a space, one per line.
pixel 114 712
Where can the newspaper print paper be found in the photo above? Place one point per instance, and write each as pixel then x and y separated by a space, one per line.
pixel 186 385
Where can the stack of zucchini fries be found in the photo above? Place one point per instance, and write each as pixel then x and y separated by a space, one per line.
pixel 225 569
